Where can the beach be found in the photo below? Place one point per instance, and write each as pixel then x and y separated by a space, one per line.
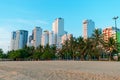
pixel 59 70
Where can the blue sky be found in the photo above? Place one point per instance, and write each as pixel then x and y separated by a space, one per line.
pixel 26 14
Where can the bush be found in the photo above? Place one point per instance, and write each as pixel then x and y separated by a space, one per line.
pixel 47 56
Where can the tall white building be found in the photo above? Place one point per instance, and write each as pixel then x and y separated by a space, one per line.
pixel 58 30
pixel 19 39
pixel 35 38
pixel 51 38
pixel 45 38
pixel 88 28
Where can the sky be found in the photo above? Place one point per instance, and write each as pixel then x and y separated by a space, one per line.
pixel 26 14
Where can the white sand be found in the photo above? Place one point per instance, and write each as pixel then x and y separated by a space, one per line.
pixel 59 70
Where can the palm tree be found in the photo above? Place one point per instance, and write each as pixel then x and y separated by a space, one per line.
pixel 98 42
pixel 88 48
pixel 80 46
pixel 111 47
pixel 64 50
pixel 68 48
pixel 40 49
pixel 72 46
pixel 97 37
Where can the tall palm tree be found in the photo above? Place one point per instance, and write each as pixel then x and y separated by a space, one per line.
pixel 98 42
pixel 72 46
pixel 65 50
pixel 80 46
pixel 98 38
pixel 111 47
pixel 88 48
pixel 69 48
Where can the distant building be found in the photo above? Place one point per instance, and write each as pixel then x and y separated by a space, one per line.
pixel 37 33
pixel 30 38
pixel 19 39
pixel 31 41
pixel 111 32
pixel 35 38
pixel 88 28
pixel 66 37
pixel 13 38
pixel 45 38
pixel 51 38
pixel 58 30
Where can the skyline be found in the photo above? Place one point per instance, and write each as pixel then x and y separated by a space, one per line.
pixel 26 14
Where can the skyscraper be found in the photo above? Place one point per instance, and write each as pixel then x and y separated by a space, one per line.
pixel 58 30
pixel 45 38
pixel 51 38
pixel 13 38
pixel 36 34
pixel 31 41
pixel 88 28
pixel 19 39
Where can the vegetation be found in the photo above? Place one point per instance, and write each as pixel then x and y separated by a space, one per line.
pixel 2 55
pixel 93 48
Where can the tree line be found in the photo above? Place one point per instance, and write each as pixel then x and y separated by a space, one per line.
pixel 93 48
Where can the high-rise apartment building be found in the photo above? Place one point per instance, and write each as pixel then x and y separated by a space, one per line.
pixel 35 38
pixel 19 39
pixel 13 38
pixel 51 38
pixel 30 38
pixel 111 32
pixel 88 28
pixel 58 29
pixel 31 41
pixel 45 38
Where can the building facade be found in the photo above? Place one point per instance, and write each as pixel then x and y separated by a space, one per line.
pixel 66 37
pixel 58 30
pixel 35 38
pixel 13 38
pixel 88 28
pixel 51 38
pixel 45 38
pixel 19 39
pixel 31 41
pixel 111 32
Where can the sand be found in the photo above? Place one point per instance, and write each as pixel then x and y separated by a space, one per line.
pixel 59 70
